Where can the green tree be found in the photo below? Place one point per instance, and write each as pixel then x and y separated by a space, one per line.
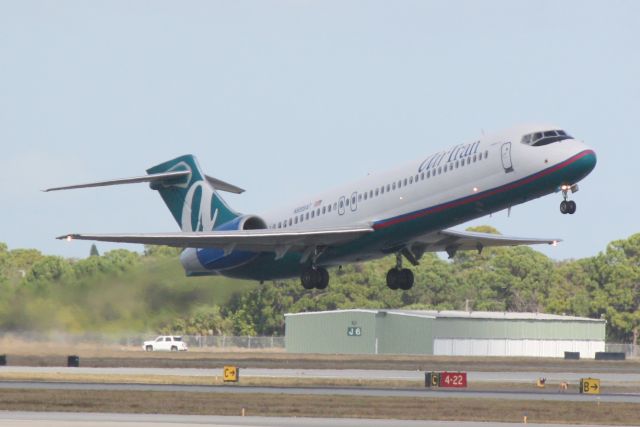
pixel 94 250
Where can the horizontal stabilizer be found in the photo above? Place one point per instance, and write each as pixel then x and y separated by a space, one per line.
pixel 146 178
pixel 218 184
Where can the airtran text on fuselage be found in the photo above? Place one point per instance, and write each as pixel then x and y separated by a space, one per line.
pixel 457 152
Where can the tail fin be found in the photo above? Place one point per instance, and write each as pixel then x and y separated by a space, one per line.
pixel 192 200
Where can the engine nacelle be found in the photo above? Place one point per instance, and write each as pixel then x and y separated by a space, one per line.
pixel 203 260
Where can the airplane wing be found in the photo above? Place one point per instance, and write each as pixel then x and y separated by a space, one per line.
pixel 266 240
pixel 451 241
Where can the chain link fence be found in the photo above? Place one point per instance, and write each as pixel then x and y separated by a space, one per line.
pixel 204 342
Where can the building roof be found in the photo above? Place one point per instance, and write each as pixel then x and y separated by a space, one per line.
pixel 435 314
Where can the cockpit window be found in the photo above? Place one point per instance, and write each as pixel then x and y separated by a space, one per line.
pixel 538 139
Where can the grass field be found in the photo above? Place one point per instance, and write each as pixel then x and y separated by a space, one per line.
pixel 21 353
pixel 458 409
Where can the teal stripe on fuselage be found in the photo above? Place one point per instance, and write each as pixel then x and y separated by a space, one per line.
pixel 386 238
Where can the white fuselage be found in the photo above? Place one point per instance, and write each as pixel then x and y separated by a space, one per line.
pixel 452 174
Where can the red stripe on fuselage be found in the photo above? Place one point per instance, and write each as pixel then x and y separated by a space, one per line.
pixel 479 196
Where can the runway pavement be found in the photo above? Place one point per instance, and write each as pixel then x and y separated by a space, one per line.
pixel 524 377
pixel 325 391
pixel 64 419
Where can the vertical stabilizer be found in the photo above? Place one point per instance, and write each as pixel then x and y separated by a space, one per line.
pixel 192 200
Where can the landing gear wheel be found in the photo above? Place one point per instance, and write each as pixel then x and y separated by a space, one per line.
pixel 406 281
pixel 564 207
pixel 393 279
pixel 400 278
pixel 317 278
pixel 571 207
pixel 308 278
pixel 324 278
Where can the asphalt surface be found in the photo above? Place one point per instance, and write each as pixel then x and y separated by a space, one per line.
pixel 515 376
pixel 326 391
pixel 64 419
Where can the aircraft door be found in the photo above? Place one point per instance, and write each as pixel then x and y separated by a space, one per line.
pixel 506 157
pixel 341 205
pixel 354 201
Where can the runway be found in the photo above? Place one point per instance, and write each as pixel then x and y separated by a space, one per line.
pixel 361 374
pixel 326 391
pixel 84 419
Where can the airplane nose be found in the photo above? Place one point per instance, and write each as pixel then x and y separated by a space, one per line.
pixel 580 165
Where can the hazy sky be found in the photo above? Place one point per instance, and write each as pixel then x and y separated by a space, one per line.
pixel 287 98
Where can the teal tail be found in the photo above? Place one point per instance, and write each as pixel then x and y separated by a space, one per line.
pixel 192 200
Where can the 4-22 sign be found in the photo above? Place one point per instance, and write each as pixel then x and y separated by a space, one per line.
pixel 453 379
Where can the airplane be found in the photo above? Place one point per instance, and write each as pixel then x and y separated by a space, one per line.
pixel 406 211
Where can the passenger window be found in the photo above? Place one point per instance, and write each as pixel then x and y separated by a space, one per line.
pixel 405 182
pixel 422 176
pixel 341 203
pixel 388 187
pixel 329 208
pixel 296 221
pixel 313 213
pixel 370 193
pixel 439 170
pixel 324 210
pixel 365 195
pixel 469 160
pixel 393 186
pixel 428 174
pixel 486 154
pixel 347 201
pixel 335 206
pixel 307 215
pixel 376 191
pixel 360 197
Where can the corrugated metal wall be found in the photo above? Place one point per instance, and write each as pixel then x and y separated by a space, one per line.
pixel 400 334
pixel 384 332
pixel 446 327
pixel 328 332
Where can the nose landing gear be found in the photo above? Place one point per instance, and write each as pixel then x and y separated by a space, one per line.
pixel 568 206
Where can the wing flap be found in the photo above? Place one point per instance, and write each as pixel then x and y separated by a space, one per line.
pixel 266 240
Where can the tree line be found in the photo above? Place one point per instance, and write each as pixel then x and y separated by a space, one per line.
pixel 124 291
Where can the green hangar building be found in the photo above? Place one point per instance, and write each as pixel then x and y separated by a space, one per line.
pixel 445 333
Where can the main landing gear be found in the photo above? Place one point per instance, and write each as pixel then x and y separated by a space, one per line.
pixel 398 277
pixel 315 278
pixel 568 206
